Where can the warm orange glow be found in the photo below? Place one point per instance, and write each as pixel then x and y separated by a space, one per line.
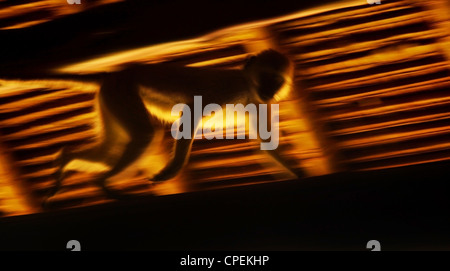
pixel 12 199
pixel 355 104
pixel 53 8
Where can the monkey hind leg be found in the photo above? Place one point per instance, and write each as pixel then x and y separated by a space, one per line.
pixel 97 153
pixel 58 176
pixel 130 113
pixel 133 150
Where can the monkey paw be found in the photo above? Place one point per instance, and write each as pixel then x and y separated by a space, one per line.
pixel 299 173
pixel 164 175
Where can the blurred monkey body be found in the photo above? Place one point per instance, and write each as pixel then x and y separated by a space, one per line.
pixel 139 98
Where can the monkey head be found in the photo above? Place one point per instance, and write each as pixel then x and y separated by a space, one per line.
pixel 269 72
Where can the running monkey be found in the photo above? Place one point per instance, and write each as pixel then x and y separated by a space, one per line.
pixel 139 97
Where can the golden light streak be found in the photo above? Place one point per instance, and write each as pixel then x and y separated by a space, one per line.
pixel 57 8
pixel 11 199
pixel 246 32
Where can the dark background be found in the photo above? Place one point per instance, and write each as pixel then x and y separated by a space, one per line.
pixel 404 208
pixel 130 24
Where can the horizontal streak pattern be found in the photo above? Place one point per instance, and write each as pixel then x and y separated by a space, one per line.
pixel 378 80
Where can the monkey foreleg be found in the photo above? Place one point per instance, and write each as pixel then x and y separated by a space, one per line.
pixel 180 158
pixel 289 165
